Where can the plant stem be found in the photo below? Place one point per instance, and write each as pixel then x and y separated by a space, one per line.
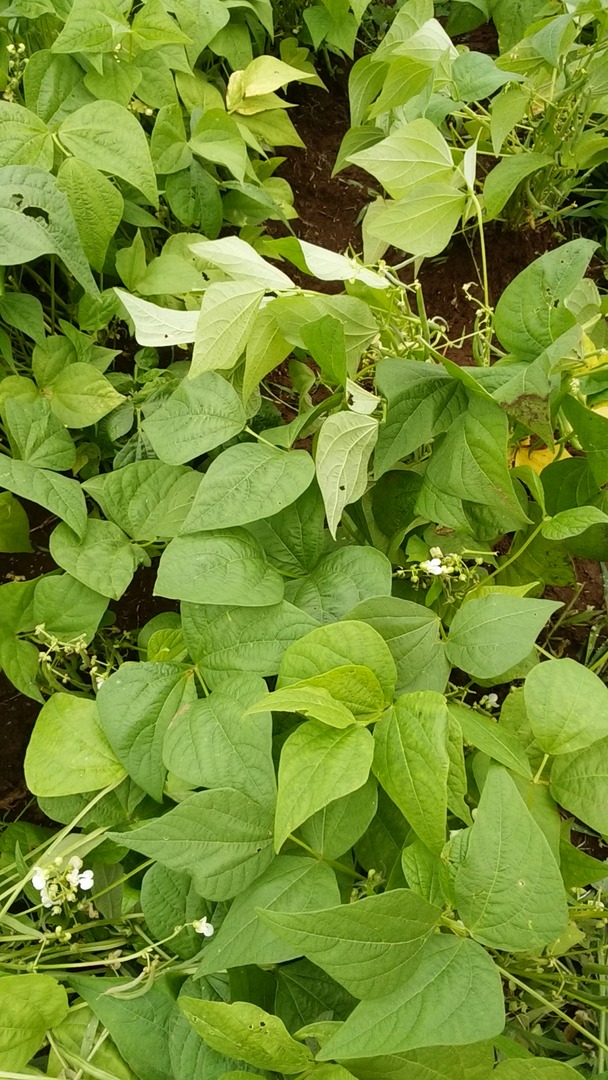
pixel 341 869
pixel 513 558
pixel 553 1008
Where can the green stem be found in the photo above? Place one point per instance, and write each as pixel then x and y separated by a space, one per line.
pixel 339 867
pixel 552 1007
pixel 540 769
pixel 513 558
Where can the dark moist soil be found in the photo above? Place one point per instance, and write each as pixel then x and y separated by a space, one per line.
pixel 330 210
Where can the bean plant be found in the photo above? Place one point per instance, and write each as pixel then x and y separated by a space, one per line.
pixel 438 124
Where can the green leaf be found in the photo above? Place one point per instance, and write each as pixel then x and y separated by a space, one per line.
pixel 508 888
pixel 216 138
pixel 218 568
pixel 266 348
pixel 470 463
pixel 214 743
pixel 578 783
pixel 56 493
pixel 411 761
pixel 531 314
pixel 423 871
pixel 24 138
pixel 476 76
pixel 201 20
pixel 14 525
pixel 454 996
pixel 492 634
pixel 147 499
pixel 152 26
pixel 339 581
pixel 289 884
pixel 248 482
pixel 293 540
pixel 136 705
pixel 227 315
pixel 31 1004
pixel 20 662
pixel 351 685
pixel 223 641
pixel 110 138
pixel 194 198
pixel 472 1062
pixel 156 325
pixel 423 401
pixel 35 220
pixel 405 79
pixel 344 446
pixel 68 752
pixel 92 28
pixel 24 312
pixel 103 559
pixel 334 646
pixel 413 635
pixel 535 1069
pixel 592 432
pixel 313 702
pixel 222 838
pixel 238 259
pixel 491 738
pixel 333 830
pixel 169 899
pixel 38 436
pixel 416 153
pixel 423 222
pixel 201 414
pixel 80 395
pixel 96 204
pixel 573 522
pixel 318 764
pixel 504 178
pixel 138 1025
pixel 369 946
pixel 567 705
pixel 246 1032
pixel 67 609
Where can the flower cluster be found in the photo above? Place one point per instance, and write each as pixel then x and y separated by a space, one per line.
pixel 59 884
pixel 449 568
pixel 17 61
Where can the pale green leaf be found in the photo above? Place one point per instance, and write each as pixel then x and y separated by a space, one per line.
pixel 31 1004
pixel 24 138
pixel 339 581
pixel 147 499
pixel 246 1032
pixel 68 752
pixel 413 154
pixel 201 414
pixel 222 838
pixel 508 888
pixel 567 705
pixel 136 705
pixel 344 447
pixel 334 646
pixel 220 567
pixel 578 783
pixel 248 482
pixel 411 761
pixel 454 996
pixel 111 139
pixel 492 634
pixel 290 884
pixel 318 764
pixel 102 559
pixel 370 946
pixel 423 222
pixel 56 493
pixel 96 204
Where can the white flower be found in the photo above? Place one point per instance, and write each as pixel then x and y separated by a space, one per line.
pixel 86 879
pixel 436 553
pixel 45 898
pixel 39 878
pixel 203 927
pixel 432 566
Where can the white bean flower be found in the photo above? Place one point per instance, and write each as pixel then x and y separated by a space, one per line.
pixel 204 927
